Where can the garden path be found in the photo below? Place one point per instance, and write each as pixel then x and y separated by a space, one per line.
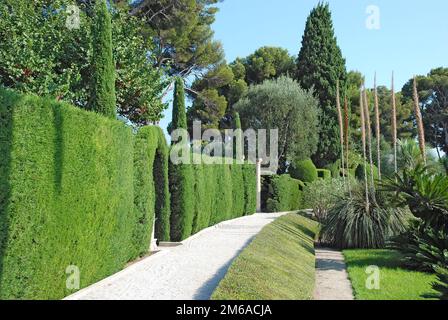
pixel 188 272
pixel 332 282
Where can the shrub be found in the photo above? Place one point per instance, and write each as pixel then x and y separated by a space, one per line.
pixel 335 169
pixel 284 194
pixel 352 224
pixel 425 244
pixel 203 195
pixel 66 196
pixel 324 174
pixel 322 195
pixel 152 198
pixel 365 167
pixel 303 170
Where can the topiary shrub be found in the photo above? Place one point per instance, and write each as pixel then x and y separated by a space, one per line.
pixel 359 173
pixel 324 174
pixel 335 169
pixel 284 194
pixel 303 170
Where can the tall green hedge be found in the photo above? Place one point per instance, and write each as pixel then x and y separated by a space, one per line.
pixel 152 198
pixel 203 195
pixel 284 194
pixel 67 196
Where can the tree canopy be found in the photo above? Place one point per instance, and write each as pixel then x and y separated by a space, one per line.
pixel 282 104
pixel 40 55
pixel 433 95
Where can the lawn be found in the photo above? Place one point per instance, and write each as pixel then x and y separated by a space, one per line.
pixel 278 264
pixel 396 282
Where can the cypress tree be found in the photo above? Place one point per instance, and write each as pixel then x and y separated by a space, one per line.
pixel 320 65
pixel 179 112
pixel 103 86
pixel 238 147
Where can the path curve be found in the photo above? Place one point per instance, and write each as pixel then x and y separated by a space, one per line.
pixel 189 272
pixel 332 282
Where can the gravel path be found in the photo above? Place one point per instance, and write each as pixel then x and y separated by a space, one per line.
pixel 332 281
pixel 190 272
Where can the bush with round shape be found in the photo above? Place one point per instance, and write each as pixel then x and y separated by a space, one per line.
pixel 303 170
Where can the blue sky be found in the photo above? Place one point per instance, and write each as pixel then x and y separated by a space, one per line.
pixel 412 39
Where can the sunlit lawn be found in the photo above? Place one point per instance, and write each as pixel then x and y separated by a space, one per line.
pixel 396 282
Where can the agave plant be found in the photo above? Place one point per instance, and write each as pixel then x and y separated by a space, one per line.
pixel 351 223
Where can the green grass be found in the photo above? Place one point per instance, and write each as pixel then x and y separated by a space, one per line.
pixel 396 282
pixel 278 264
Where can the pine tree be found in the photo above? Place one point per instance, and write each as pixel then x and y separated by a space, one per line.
pixel 103 86
pixel 320 65
pixel 179 112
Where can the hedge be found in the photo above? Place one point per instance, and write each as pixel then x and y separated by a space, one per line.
pixel 203 195
pixel 67 196
pixel 324 174
pixel 152 198
pixel 303 170
pixel 284 194
pixel 285 247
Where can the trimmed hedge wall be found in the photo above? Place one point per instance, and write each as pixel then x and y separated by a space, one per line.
pixel 204 195
pixel 152 198
pixel 67 196
pixel 284 194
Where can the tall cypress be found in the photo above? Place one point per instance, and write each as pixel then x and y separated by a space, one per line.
pixel 103 78
pixel 179 113
pixel 320 65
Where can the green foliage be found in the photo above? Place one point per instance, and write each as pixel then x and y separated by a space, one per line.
pixel 353 223
pixel 285 248
pixel 179 111
pixel 303 170
pixel 425 244
pixel 321 195
pixel 40 55
pixel 320 65
pixel 182 32
pixel 324 174
pixel 432 90
pixel 284 194
pixel 281 104
pixel 442 284
pixel 267 63
pixel 103 98
pixel 424 193
pixel 203 195
pixel 66 196
pixel 363 168
pixel 151 193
